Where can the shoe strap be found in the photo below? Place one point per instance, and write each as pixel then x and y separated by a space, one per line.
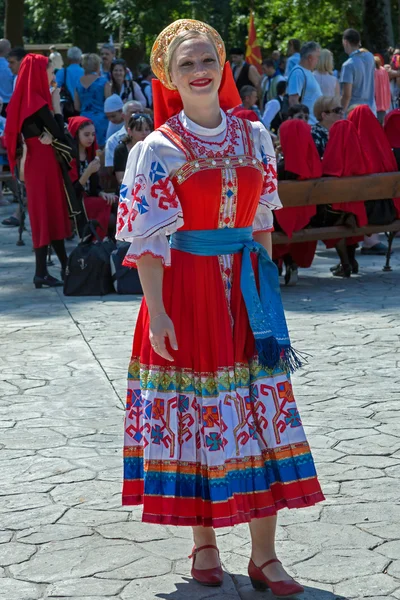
pixel 269 562
pixel 197 550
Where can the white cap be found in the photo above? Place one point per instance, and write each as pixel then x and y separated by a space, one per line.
pixel 113 103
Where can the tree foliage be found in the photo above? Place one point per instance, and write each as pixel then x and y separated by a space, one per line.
pixel 136 23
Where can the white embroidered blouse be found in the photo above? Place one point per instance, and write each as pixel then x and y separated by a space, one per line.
pixel 149 208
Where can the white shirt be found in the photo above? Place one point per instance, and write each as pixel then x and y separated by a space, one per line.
pixel 111 144
pixel 113 128
pixel 271 110
pixel 137 94
pixel 328 83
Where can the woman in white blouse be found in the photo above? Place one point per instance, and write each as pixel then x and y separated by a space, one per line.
pixel 323 73
pixel 213 437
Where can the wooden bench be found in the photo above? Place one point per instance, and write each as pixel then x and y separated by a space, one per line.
pixel 329 190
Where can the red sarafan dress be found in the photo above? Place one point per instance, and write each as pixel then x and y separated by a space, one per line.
pixel 30 113
pixel 211 439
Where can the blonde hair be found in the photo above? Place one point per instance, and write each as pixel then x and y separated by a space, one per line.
pixel 325 62
pixel 325 104
pixel 91 63
pixel 184 37
pixel 56 60
pixel 378 62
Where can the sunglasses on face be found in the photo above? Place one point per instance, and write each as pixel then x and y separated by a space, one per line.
pixel 137 116
pixel 337 111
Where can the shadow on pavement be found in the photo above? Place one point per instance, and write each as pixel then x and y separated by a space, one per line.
pixel 190 589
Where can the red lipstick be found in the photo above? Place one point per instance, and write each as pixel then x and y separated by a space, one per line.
pixel 201 82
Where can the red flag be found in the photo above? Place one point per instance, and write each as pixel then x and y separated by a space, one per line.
pixel 253 51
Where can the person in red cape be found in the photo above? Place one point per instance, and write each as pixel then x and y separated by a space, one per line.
pixel 213 436
pixel 301 161
pixel 84 176
pixel 344 157
pixel 380 159
pixel 391 128
pixel 35 113
pixel 244 113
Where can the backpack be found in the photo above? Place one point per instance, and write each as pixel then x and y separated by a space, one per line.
pixel 143 83
pixel 67 102
pixel 88 271
pixel 285 104
pixel 125 279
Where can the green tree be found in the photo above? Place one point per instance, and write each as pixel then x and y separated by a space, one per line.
pixel 45 21
pixel 378 26
pixel 13 21
pixel 84 23
pixel 136 23
pixel 279 20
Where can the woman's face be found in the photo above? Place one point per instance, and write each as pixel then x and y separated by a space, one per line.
pixel 302 116
pixel 118 73
pixel 87 136
pixel 195 70
pixel 139 136
pixel 330 117
pixel 50 73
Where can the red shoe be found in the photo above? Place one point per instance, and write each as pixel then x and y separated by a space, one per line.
pixel 281 589
pixel 210 577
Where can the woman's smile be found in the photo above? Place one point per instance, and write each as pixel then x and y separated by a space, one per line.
pixel 201 82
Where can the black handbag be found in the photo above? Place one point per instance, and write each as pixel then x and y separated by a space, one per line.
pixel 126 280
pixel 380 212
pixel 88 271
pixel 67 101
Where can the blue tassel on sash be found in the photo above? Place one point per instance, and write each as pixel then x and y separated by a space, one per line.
pixel 264 309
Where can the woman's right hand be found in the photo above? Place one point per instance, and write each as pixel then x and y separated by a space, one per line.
pixel 162 327
pixel 94 166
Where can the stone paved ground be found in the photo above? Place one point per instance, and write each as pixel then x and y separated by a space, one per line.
pixel 63 533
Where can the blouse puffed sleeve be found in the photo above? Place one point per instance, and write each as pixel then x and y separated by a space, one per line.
pixel 269 199
pixel 149 208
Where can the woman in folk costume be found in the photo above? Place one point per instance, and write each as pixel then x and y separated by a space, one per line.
pixel 213 436
pixel 344 157
pixel 35 113
pixel 392 130
pixel 84 175
pixel 378 154
pixel 295 134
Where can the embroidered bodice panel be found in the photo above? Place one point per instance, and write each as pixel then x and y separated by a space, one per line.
pixel 150 206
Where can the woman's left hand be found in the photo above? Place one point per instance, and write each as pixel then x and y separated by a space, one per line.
pixel 109 198
pixel 45 139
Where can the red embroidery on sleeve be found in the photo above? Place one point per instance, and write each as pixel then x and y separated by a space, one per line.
pixel 164 192
pixel 270 183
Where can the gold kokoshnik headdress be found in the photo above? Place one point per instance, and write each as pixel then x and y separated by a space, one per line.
pixel 159 52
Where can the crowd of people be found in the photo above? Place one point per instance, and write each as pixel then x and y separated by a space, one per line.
pixel 76 119
pixel 100 109
pixel 306 87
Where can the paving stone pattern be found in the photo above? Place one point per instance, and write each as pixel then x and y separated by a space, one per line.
pixel 63 533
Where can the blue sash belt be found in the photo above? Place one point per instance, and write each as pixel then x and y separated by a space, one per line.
pixel 265 310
